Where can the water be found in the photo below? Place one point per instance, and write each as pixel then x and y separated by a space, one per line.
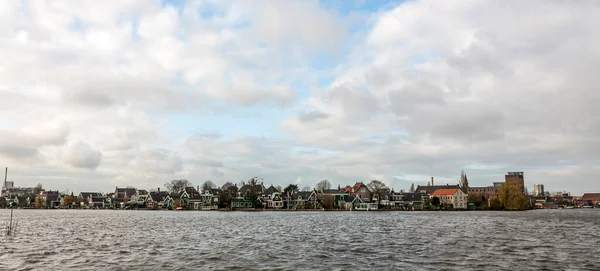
pixel 167 240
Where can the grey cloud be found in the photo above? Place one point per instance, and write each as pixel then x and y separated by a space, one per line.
pixel 312 116
pixel 81 155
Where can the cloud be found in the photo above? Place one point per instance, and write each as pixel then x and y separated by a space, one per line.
pixel 337 92
pixel 81 155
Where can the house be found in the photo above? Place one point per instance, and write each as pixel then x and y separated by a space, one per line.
pixel 301 199
pixel 124 195
pixel 157 200
pixel 590 199
pixel 271 198
pixel 356 203
pixel 414 201
pixel 395 200
pixel 453 197
pixel 50 199
pixel 429 189
pixel 86 198
pixel 211 196
pixel 192 198
pixel 362 191
pixel 333 198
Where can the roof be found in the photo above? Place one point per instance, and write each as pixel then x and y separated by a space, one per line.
pixel 352 199
pixel 86 195
pixel 445 192
pixel 334 192
pixel 591 196
pixel 257 188
pixel 429 189
pixel 130 191
pixel 215 191
pixel 52 197
pixel 412 196
pixel 159 196
pixel 358 185
pixel 271 190
pixel 142 192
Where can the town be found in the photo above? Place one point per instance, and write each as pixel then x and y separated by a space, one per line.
pixel 509 194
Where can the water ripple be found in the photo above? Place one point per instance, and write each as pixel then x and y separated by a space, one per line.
pixel 146 240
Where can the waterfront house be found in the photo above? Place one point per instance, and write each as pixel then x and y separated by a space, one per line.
pixel 272 198
pixel 50 199
pixel 362 191
pixel 414 201
pixel 211 196
pixel 301 200
pixel 192 198
pixel 124 195
pixel 157 199
pixel 85 199
pixel 453 198
pixel 590 199
pixel 356 203
pixel 333 198
pixel 395 200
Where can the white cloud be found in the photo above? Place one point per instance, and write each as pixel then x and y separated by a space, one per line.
pixel 420 89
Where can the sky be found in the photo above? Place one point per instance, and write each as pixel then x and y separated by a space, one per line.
pixel 99 94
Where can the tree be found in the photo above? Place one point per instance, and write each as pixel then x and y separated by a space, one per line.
pixel 306 189
pixel 435 201
pixel 177 186
pixel 478 199
pixel 511 197
pixel 378 188
pixel 67 201
pixel 323 185
pixel 464 183
pixel 227 195
pixel 39 202
pixel 412 188
pixel 227 185
pixel 177 203
pixel 208 185
pixel 290 189
pixel 278 188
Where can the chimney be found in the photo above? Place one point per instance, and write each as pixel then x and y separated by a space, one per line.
pixel 432 181
pixel 159 190
pixel 198 188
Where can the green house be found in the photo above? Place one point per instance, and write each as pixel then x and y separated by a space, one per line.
pixel 240 202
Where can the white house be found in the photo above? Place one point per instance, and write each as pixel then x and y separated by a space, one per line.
pixel 451 196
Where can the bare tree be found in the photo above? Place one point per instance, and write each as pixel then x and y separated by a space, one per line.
pixel 412 188
pixel 306 189
pixel 227 185
pixel 208 185
pixel 378 188
pixel 177 186
pixel 464 183
pixel 323 185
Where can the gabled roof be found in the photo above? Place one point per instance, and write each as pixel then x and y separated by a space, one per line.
pixel 86 195
pixel 159 196
pixel 358 185
pixel 52 197
pixel 591 196
pixel 257 188
pixel 445 192
pixel 271 190
pixel 352 199
pixel 129 191
pixel 429 189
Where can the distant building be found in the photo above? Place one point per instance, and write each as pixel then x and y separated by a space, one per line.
pixel 538 190
pixel 515 178
pixel 498 184
pixel 487 191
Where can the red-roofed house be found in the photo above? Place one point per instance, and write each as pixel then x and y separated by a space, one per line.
pixel 451 196
pixel 590 199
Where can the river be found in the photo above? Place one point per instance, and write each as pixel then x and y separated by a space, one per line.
pixel 169 240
